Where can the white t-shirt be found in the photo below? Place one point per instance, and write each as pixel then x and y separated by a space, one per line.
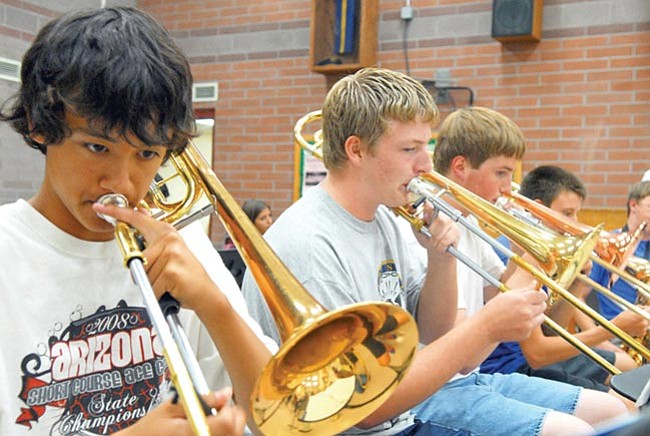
pixel 470 284
pixel 77 351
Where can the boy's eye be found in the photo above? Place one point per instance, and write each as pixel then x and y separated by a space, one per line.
pixel 149 154
pixel 96 148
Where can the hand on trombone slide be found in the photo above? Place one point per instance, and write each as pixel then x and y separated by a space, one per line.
pixel 169 418
pixel 441 232
pixel 170 265
pixel 512 315
pixel 632 323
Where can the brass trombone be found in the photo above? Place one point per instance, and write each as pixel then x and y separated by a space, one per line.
pixel 611 251
pixel 183 367
pixel 639 268
pixel 561 257
pixel 570 257
pixel 333 368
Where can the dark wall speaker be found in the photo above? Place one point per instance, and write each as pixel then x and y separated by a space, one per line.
pixel 517 20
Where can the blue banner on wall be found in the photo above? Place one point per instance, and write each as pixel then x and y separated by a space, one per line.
pixel 344 26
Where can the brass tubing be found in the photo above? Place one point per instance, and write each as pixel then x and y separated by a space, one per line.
pixel 622 302
pixel 608 256
pixel 333 368
pixel 561 257
pixel 581 306
pixel 315 150
pixel 418 224
pixel 564 334
pixel 641 288
pixel 481 208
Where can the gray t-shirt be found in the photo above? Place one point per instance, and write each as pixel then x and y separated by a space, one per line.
pixel 342 260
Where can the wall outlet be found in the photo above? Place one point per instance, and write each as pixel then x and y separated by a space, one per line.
pixel 406 13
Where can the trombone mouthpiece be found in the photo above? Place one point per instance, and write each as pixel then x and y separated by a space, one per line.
pixel 417 190
pixel 118 200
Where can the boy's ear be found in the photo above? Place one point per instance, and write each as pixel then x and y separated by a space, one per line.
pixel 632 204
pixel 353 148
pixel 37 137
pixel 459 167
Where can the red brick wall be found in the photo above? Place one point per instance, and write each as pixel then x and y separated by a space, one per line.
pixel 581 95
pixel 259 99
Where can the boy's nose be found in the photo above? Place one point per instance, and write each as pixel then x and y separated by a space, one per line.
pixel 117 179
pixel 506 187
pixel 425 164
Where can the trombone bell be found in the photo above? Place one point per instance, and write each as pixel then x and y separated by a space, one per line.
pixel 347 358
pixel 333 368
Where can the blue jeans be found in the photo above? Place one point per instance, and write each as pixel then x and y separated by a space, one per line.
pixel 493 404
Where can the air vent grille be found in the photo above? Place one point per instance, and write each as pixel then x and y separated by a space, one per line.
pixel 205 91
pixel 9 70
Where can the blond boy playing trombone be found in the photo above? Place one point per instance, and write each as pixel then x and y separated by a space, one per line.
pixel 345 246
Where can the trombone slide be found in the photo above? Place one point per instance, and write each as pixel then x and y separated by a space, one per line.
pixel 422 186
pixel 177 361
pixel 455 215
pixel 195 408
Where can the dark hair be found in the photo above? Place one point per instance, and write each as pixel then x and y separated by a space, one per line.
pixel 546 182
pixel 252 208
pixel 117 67
pixel 638 192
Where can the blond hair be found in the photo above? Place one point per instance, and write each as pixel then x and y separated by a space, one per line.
pixel 362 104
pixel 478 134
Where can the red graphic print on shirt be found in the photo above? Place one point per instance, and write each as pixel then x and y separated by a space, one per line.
pixel 100 375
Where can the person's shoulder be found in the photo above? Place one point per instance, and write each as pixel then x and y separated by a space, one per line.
pixel 9 212
pixel 15 221
pixel 599 273
pixel 399 225
pixel 301 230
pixel 300 215
pixel 293 228
pixel 385 212
pixel 11 207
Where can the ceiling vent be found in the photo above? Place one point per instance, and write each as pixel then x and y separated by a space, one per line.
pixel 9 70
pixel 208 91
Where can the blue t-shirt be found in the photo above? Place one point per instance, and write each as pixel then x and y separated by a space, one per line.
pixel 506 358
pixel 506 243
pixel 608 308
